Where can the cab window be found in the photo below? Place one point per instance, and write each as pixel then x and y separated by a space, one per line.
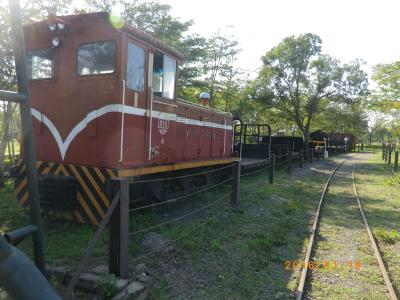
pixel 96 58
pixel 40 64
pixel 164 73
pixel 135 68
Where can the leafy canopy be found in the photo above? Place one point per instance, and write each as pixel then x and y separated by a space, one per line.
pixel 387 95
pixel 296 77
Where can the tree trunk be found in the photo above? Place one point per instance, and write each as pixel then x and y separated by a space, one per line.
pixel 306 143
pixel 5 138
pixel 305 130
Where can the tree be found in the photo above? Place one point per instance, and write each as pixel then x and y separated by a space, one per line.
pixel 387 94
pixel 296 78
pixel 221 53
pixel 231 83
pixel 32 11
pixel 350 118
pixel 384 129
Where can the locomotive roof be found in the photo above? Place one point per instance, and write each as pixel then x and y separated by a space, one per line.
pixel 87 18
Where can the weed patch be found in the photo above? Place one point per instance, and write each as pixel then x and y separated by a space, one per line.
pixel 389 237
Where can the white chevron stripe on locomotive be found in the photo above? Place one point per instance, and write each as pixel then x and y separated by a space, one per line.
pixel 130 110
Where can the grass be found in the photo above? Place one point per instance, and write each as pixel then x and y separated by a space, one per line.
pixel 390 237
pixel 378 188
pixel 342 237
pixel 269 227
pixel 64 242
pixel 16 152
pixel 240 254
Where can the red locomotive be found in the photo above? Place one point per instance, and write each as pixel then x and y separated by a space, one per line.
pixel 104 105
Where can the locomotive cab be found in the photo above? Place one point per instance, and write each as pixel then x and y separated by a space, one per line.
pixel 84 76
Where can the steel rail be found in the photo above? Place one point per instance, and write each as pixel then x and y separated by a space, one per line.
pixel 300 289
pixel 378 256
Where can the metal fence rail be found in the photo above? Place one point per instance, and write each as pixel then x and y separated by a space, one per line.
pixel 256 171
pixel 181 217
pixel 181 197
pixel 118 214
pixel 181 176
pixel 216 215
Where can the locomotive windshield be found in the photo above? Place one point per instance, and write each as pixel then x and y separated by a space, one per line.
pixel 96 58
pixel 164 69
pixel 40 64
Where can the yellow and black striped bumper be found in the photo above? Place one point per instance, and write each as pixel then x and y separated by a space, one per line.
pixel 92 202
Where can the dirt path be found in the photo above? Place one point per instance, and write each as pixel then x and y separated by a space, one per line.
pixel 345 266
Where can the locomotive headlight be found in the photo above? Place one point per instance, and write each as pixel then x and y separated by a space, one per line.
pixel 56 42
pixel 61 26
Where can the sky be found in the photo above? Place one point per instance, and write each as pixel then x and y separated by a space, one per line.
pixel 350 29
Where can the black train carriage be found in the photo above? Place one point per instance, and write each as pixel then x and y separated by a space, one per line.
pixel 318 141
pixel 254 141
pixel 336 142
pixel 281 145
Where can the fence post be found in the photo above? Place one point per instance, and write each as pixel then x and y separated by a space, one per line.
pixel 235 183
pixel 118 258
pixel 390 155
pixel 272 169
pixel 301 158
pixel 289 162
pixel 28 136
pixel 396 160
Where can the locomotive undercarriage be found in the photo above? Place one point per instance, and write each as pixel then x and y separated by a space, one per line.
pixel 80 192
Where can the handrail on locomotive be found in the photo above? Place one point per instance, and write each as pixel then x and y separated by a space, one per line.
pixel 251 133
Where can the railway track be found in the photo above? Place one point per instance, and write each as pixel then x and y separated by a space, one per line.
pixel 307 263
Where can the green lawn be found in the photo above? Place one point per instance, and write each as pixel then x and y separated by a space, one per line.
pixel 64 241
pixel 378 188
pixel 269 227
pixel 241 253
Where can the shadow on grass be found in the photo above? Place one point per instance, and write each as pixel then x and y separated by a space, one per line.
pixel 239 255
pixel 242 254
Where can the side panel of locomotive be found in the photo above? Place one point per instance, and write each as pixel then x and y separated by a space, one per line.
pixel 117 125
pixel 93 122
